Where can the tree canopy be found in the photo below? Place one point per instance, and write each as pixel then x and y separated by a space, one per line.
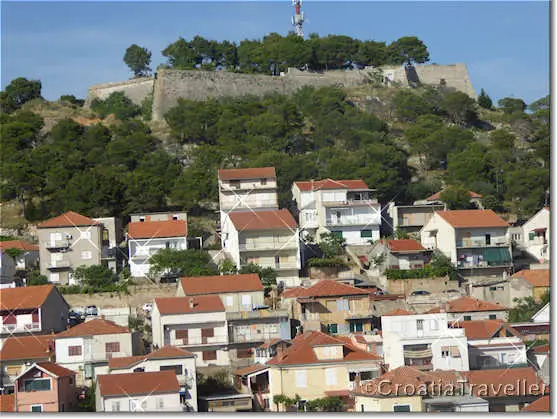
pixel 138 59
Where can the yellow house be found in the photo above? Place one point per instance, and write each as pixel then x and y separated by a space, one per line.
pixel 535 281
pixel 317 365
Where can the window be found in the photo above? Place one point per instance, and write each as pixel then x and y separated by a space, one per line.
pixel 243 353
pixel 115 406
pixel 266 403
pixel 332 328
pixel 445 352
pixel 492 316
pixel 36 408
pixel 467 317
pixel 55 277
pixel 362 408
pixel 330 376
pixel 182 334
pixel 160 403
pixel 229 301
pixel 74 350
pixel 176 368
pixel 420 324
pixel 134 405
pixel 366 233
pixel 301 379
pixel 356 326
pixel 488 239
pixel 86 235
pixel 208 333
pixel 343 305
pixel 86 254
pixel 209 355
pixel 235 184
pixel 88 371
pixel 175 217
pixel 37 384
pixel 401 408
pixel 111 347
pixel 141 219
pixel 55 237
pixel 139 369
pixel 263 181
pixel 246 300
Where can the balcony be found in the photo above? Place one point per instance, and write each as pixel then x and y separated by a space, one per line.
pixel 108 253
pixel 353 220
pixel 255 337
pixel 351 203
pixel 247 186
pixel 473 243
pixel 201 340
pixel 256 314
pixel 418 354
pixel 57 245
pixel 59 265
pixel 423 366
pixel 20 328
pixel 260 245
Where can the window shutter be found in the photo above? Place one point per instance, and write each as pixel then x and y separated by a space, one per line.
pixel 301 379
pixel 330 376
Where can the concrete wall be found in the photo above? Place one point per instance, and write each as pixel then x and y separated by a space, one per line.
pixel 432 285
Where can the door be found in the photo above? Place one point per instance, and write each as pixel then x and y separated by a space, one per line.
pixel 135 405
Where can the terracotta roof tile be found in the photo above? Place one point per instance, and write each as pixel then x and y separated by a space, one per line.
pixel 263 220
pixel 94 327
pixel 468 304
pixel 253 173
pixel 314 185
pixel 540 405
pixel 18 244
pixel 301 351
pixel 56 369
pixel 293 292
pixel 483 329
pixel 68 219
pixel 437 196
pixel 408 381
pixel 122 362
pixel 250 369
pixel 182 305
pixel 472 218
pixel 28 347
pixel 505 382
pixel 269 343
pixel 399 312
pixel 405 245
pixel 7 402
pixel 200 285
pixel 536 277
pixel 24 297
pixel 542 349
pixel 328 288
pixel 138 383
pixel 166 352
pixel 160 229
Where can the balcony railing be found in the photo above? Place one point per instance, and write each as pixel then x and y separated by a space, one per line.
pixel 57 244
pixel 195 341
pixel 19 328
pixel 467 243
pixel 255 337
pixel 260 245
pixel 59 264
pixel 247 186
pixel 350 202
pixel 418 354
pixel 256 314
pixel 353 220
pixel 483 264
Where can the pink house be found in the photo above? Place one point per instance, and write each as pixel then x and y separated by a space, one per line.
pixel 46 387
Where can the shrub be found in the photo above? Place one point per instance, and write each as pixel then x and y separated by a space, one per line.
pixel 327 262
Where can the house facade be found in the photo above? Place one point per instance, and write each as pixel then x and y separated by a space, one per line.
pixel 36 309
pixel 347 208
pixel 533 283
pixel 476 241
pixel 265 238
pixel 400 254
pixel 28 258
pixel 536 235
pixel 138 392
pixel 197 324
pixel 423 341
pixel 469 308
pixel 149 233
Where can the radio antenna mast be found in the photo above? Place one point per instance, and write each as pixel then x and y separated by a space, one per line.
pixel 298 18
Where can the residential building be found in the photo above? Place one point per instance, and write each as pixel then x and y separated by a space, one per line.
pixel 493 344
pixel 112 237
pixel 317 365
pixel 536 236
pixel 69 241
pixel 253 380
pixel 28 258
pixel 197 324
pixel 46 387
pixel 166 358
pixel 225 403
pixel 18 352
pixel 476 241
pixel 399 254
pixel 88 347
pixel 37 309
pixel 138 392
pixel 540 405
pixel 269 349
pixel 149 233
pixel 530 283
pixel 410 219
pixel 469 308
pixel 475 198
pixel 265 238
pixel 508 389
pixel 347 208
pixel 423 341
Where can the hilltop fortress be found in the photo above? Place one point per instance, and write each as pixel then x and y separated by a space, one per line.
pixel 168 85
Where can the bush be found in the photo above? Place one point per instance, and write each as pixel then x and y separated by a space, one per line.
pixel 327 262
pixel 118 104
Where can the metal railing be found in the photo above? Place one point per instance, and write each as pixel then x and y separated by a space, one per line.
pixel 464 243
pixel 256 314
pixel 258 245
pixel 215 340
pixel 16 328
pixel 353 220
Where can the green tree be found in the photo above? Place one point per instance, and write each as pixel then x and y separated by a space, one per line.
pixel 456 197
pixel 267 275
pixel 332 245
pixel 118 104
pixel 19 92
pixel 88 404
pixel 511 105
pixel 460 107
pixel 95 276
pixel 189 262
pixel 408 49
pixel 408 106
pixel 34 277
pixel 526 307
pixel 227 267
pixel 72 100
pixel 138 59
pixel 484 100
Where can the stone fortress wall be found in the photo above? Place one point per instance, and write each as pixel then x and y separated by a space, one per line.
pixel 168 85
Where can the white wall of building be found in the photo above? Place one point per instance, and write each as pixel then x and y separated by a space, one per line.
pixel 535 245
pixel 141 403
pixel 140 250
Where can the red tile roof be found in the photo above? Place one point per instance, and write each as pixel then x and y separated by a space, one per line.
pixel 68 219
pixel 540 405
pixel 301 351
pixel 472 218
pixel 329 288
pixel 182 305
pixel 314 185
pixel 250 369
pixel 18 244
pixel 166 352
pixel 405 245
pixel 263 220
pixel 399 312
pixel 468 304
pixel 24 297
pixel 542 349
pixel 92 328
pixel 7 402
pixel 506 382
pixel 536 277
pixel 56 369
pixel 157 229
pixel 27 347
pixel 138 383
pixel 437 196
pixel 293 292
pixel 409 381
pixel 253 173
pixel 201 285
pixel 484 329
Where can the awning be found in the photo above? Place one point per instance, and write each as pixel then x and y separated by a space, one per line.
pixel 540 230
pixel 497 256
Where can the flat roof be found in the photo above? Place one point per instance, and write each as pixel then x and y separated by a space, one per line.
pixel 225 396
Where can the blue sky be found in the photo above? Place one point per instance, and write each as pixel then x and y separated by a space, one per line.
pixel 72 45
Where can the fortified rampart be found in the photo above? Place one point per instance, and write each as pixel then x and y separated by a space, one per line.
pixel 170 85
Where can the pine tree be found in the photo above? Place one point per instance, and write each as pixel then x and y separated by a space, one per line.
pixel 484 100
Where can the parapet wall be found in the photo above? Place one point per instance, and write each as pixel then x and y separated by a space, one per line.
pixel 135 89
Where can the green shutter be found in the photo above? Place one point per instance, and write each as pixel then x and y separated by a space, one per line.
pixel 531 235
pixel 337 233
pixel 332 328
pixel 366 233
pixel 401 408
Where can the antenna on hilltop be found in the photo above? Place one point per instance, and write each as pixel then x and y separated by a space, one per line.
pixel 298 18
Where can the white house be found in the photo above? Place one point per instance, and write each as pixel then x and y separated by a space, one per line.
pixel 343 207
pixel 87 347
pixel 476 241
pixel 147 236
pixel 197 324
pixel 536 235
pixel 542 316
pixel 170 358
pixel 28 258
pixel 423 341
pixel 138 392
pixel 265 238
